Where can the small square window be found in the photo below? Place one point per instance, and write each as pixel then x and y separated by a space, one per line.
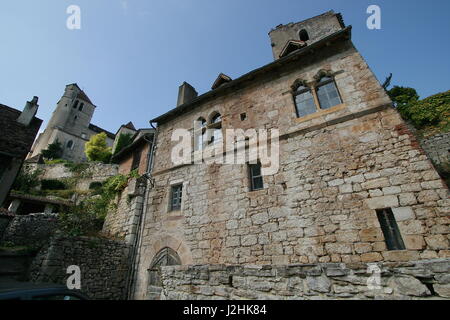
pixel 176 195
pixel 243 116
pixel 256 179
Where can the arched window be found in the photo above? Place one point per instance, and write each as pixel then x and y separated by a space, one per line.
pixel 303 34
pixel 216 125
pixel 327 93
pixel 75 104
pixel 70 144
pixel 199 133
pixel 81 106
pixel 304 101
pixel 217 118
pixel 165 257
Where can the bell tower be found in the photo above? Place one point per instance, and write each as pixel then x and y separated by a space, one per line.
pixel 288 38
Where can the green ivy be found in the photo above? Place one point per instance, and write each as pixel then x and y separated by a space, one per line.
pixel 431 114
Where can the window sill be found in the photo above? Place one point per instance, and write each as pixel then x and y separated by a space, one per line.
pixel 320 113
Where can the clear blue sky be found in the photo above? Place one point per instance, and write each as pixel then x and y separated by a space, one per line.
pixel 130 56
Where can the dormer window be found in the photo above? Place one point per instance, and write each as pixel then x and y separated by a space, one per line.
pixel 303 35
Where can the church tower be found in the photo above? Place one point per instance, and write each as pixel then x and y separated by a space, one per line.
pixel 70 125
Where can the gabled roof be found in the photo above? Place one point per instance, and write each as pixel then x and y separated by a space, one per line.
pixel 129 125
pixel 343 33
pixel 81 95
pixel 221 79
pixel 291 46
pixel 16 139
pixel 100 130
pixel 145 138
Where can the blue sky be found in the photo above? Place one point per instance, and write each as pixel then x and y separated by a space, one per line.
pixel 130 56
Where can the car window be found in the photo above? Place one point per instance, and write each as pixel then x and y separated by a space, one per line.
pixel 57 297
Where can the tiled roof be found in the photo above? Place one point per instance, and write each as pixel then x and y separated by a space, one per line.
pixel 100 130
pixel 16 139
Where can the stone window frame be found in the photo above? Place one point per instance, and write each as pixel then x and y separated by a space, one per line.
pixel 215 125
pixel 204 139
pixel 251 177
pixel 175 183
pixel 312 86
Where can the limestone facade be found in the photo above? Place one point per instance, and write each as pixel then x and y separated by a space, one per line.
pixel 337 168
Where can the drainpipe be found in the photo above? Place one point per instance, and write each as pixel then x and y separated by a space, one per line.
pixel 136 249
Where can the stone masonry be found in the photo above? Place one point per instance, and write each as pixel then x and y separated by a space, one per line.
pixel 426 280
pixel 104 265
pixel 337 167
pixel 437 147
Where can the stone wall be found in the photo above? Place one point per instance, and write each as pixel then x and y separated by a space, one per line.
pixel 337 167
pixel 437 147
pixel 104 265
pixel 5 220
pixel 30 230
pixel 406 280
pixel 122 219
pixel 95 172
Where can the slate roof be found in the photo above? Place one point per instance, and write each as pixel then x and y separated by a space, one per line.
pixel 100 130
pixel 16 139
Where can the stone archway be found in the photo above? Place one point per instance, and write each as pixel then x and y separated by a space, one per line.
pixel 165 257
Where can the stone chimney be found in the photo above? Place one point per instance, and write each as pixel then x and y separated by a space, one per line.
pixel 29 112
pixel 186 93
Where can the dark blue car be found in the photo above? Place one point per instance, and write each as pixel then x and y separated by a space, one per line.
pixel 34 291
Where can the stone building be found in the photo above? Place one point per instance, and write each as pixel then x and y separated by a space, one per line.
pixel 18 131
pixel 71 125
pixel 122 221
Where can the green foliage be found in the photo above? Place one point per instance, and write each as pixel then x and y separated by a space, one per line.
pixel 52 185
pixel 433 111
pixel 402 96
pixel 55 161
pixel 124 140
pixel 96 149
pixel 26 180
pixel 53 151
pixel 95 185
pixel 87 218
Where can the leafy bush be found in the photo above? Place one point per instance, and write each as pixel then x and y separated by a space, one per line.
pixel 97 149
pixel 26 180
pixel 124 140
pixel 87 218
pixel 53 151
pixel 95 185
pixel 52 185
pixel 432 111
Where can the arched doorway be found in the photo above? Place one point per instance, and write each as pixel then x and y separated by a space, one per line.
pixel 165 257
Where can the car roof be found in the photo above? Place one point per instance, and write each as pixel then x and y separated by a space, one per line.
pixel 28 286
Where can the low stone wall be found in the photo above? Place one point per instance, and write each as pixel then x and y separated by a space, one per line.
pixel 437 147
pixel 30 230
pixel 5 220
pixel 427 279
pixel 95 172
pixel 104 265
